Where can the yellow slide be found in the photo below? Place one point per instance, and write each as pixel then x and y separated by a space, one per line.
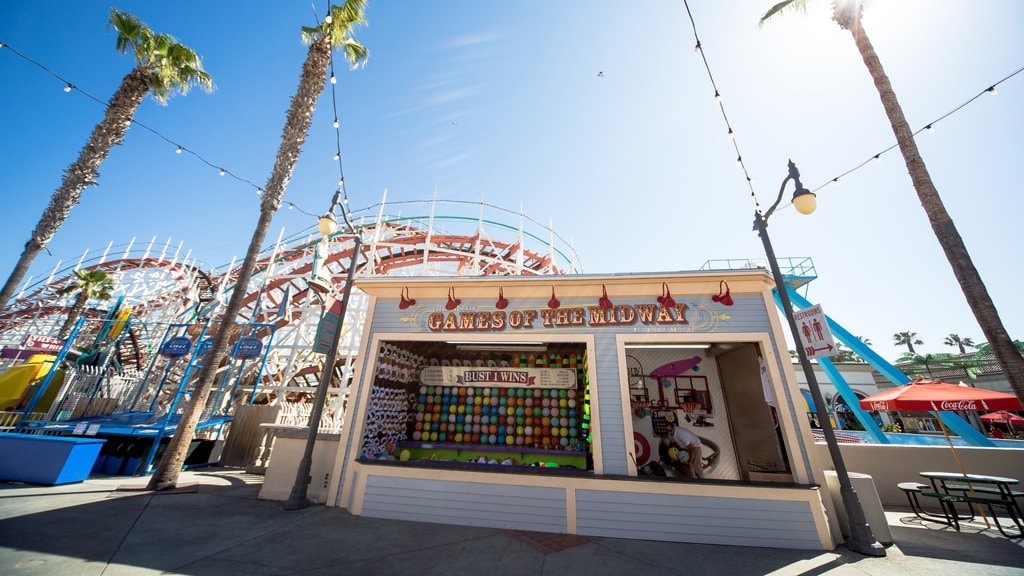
pixel 16 380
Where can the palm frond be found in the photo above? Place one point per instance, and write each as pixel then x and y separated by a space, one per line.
pixel 800 5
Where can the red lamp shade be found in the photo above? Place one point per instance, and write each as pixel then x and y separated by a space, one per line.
pixel 553 303
pixel 666 298
pixel 604 303
pixel 405 302
pixel 723 297
pixel 453 302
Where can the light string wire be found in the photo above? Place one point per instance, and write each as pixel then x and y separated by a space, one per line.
pixel 179 148
pixel 929 126
pixel 718 98
pixel 991 89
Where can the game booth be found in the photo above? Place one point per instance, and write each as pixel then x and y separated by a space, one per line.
pixel 648 406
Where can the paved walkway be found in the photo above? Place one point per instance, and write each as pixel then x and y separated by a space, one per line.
pixel 214 525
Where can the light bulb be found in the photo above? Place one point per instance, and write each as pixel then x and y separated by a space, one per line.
pixel 328 19
pixel 739 161
pixel 835 181
pixel 341 182
pixel 697 47
pixel 291 206
pixel 731 135
pixel 259 191
pixel 336 124
pixel 333 79
pixel 878 157
pixel 178 151
pixel 337 156
pixel 718 97
pixel 991 90
pixel 929 128
pixel 68 88
pixel 344 200
pixel 222 172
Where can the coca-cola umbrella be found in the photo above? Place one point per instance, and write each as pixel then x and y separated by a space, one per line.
pixel 922 395
pixel 1003 417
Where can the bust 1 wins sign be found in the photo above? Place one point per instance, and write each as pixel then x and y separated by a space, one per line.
pixel 495 377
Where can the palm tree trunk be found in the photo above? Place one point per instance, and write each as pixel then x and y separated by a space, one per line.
pixel 300 115
pixel 107 134
pixel 76 310
pixel 966 273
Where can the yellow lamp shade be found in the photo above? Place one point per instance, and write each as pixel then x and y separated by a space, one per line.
pixel 805 201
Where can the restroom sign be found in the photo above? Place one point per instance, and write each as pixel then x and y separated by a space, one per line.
pixel 815 337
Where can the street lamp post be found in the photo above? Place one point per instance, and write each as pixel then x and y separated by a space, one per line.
pixel 297 500
pixel 861 540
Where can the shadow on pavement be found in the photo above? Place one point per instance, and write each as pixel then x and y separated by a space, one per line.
pixel 222 529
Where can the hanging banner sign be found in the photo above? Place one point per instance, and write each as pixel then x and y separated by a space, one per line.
pixel 328 326
pixel 498 377
pixel 176 347
pixel 248 347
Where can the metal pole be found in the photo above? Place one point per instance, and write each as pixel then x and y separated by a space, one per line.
pixel 861 539
pixel 297 499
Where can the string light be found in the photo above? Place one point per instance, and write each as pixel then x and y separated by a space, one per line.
pixel 337 156
pixel 930 127
pixel 699 48
pixel 69 86
pixel 336 124
pixel 333 79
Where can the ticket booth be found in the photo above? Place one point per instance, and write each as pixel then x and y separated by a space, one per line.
pixel 652 406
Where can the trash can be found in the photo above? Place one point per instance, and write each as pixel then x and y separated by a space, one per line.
pixel 864 485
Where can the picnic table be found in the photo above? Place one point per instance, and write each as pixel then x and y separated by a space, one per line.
pixel 951 488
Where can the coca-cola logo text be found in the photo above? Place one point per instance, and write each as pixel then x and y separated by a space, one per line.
pixel 958 405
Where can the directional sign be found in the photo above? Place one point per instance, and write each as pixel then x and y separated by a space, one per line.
pixel 815 336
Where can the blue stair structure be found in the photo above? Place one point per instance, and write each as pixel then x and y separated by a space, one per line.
pixel 797 274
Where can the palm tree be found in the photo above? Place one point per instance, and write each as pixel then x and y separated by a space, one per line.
pixel 962 343
pixel 89 284
pixel 163 67
pixel 334 32
pixel 847 14
pixel 907 339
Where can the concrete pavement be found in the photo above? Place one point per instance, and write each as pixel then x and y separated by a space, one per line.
pixel 214 525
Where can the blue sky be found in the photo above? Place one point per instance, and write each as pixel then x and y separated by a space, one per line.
pixel 502 101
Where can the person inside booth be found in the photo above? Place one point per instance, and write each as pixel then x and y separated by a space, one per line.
pixel 681 450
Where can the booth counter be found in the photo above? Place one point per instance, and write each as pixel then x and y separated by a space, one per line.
pixel 649 406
